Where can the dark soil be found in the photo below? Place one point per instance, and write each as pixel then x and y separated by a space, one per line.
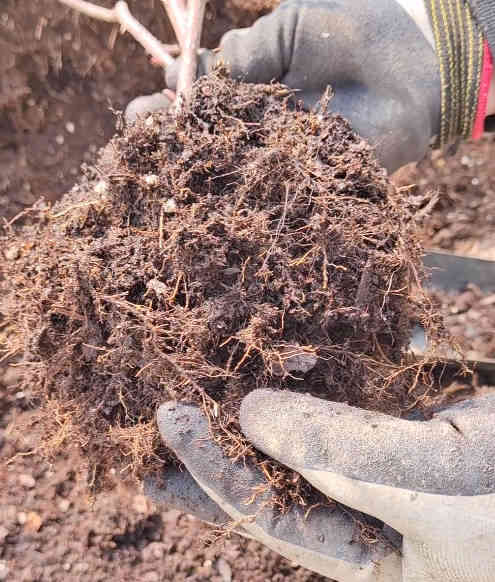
pixel 243 244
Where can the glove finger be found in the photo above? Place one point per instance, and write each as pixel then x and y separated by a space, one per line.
pixel 324 542
pixel 390 468
pixel 145 104
pixel 443 456
pixel 177 489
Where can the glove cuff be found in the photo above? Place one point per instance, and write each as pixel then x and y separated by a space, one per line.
pixel 484 13
pixel 462 52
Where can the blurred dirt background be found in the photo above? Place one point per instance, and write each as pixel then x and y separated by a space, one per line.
pixel 61 75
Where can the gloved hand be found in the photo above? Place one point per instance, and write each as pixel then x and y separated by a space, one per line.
pixel 402 83
pixel 381 67
pixel 434 482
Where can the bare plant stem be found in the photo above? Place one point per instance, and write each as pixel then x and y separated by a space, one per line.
pixel 190 48
pixel 187 23
pixel 176 10
pixel 120 14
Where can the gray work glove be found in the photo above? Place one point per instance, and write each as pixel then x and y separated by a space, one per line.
pixel 146 104
pixel 433 482
pixel 377 59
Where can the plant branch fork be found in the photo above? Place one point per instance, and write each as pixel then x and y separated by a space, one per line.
pixel 187 22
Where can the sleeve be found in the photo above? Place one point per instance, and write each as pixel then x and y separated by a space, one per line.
pixel 484 12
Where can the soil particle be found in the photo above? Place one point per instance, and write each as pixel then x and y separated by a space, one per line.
pixel 224 569
pixel 27 481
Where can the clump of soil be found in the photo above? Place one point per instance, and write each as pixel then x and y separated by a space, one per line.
pixel 240 244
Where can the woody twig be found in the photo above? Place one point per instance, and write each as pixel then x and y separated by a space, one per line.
pixel 187 21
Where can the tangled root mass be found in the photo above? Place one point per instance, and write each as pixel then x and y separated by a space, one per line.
pixel 242 243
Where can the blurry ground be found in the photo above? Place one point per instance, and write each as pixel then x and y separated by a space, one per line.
pixel 463 219
pixel 50 531
pixel 59 75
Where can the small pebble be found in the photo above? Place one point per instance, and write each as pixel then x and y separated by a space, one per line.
pixel 170 206
pixel 152 180
pixel 60 139
pixel 12 253
pixel 467 161
pixel 64 505
pixel 153 551
pixel 33 522
pixel 151 577
pixel 81 567
pixel 4 532
pixel 27 481
pixel 101 187
pixel 140 504
pixel 21 518
pixel 70 127
pixel 157 286
pixel 4 570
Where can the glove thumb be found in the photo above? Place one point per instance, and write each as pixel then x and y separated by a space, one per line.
pixel 146 104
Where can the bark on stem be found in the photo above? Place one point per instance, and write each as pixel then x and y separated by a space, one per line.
pixel 190 48
pixel 177 13
pixel 120 14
